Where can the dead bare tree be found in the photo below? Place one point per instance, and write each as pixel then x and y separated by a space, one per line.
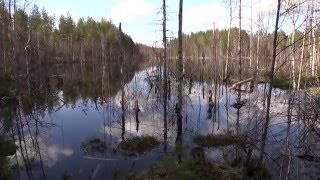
pixel 180 76
pixel 3 36
pixel 165 89
pixel 271 79
pixel 240 44
pixel 240 67
pixel 123 117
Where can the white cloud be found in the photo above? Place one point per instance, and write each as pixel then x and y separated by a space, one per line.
pixel 129 10
pixel 50 153
pixel 204 15
pixel 54 153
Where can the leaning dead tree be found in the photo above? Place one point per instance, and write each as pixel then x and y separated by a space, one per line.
pixel 271 79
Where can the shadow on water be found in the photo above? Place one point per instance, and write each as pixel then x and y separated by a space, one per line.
pixel 71 124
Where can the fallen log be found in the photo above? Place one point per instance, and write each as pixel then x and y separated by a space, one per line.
pixel 237 86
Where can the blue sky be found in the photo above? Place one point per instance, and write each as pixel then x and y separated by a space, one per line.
pixel 141 18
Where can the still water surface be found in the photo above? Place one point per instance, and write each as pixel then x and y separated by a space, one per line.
pixel 66 129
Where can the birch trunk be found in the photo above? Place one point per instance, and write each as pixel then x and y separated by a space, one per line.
pixel 228 44
pixel 293 56
pixel 302 56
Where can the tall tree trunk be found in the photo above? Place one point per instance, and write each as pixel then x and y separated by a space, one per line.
pixel 9 33
pixel 9 9
pixel 180 78
pixel 293 49
pixel 240 44
pixel 180 81
pixel 122 85
pixel 251 41
pixel 272 70
pixel 14 43
pixel 228 44
pixel 258 44
pixel 302 53
pixel 314 9
pixel 165 89
pixel 239 68
pixel 3 38
pixel 103 65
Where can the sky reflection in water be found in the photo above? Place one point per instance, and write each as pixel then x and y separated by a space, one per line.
pixel 60 145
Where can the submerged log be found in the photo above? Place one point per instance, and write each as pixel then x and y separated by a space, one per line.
pixel 239 105
pixel 309 158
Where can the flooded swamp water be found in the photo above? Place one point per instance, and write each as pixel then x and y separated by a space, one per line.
pixel 78 136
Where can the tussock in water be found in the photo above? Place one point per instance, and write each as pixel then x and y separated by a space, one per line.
pixel 138 145
pixel 94 145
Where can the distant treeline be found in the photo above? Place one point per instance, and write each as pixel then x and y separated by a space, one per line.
pixel 256 50
pixel 35 35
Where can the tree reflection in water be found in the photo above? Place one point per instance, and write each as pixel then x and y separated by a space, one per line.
pixel 91 130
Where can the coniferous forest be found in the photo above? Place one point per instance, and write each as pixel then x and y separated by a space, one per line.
pixel 82 99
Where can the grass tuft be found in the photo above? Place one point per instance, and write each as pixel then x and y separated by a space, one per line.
pixel 138 145
pixel 94 145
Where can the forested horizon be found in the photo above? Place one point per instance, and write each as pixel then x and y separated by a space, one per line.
pixel 35 35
